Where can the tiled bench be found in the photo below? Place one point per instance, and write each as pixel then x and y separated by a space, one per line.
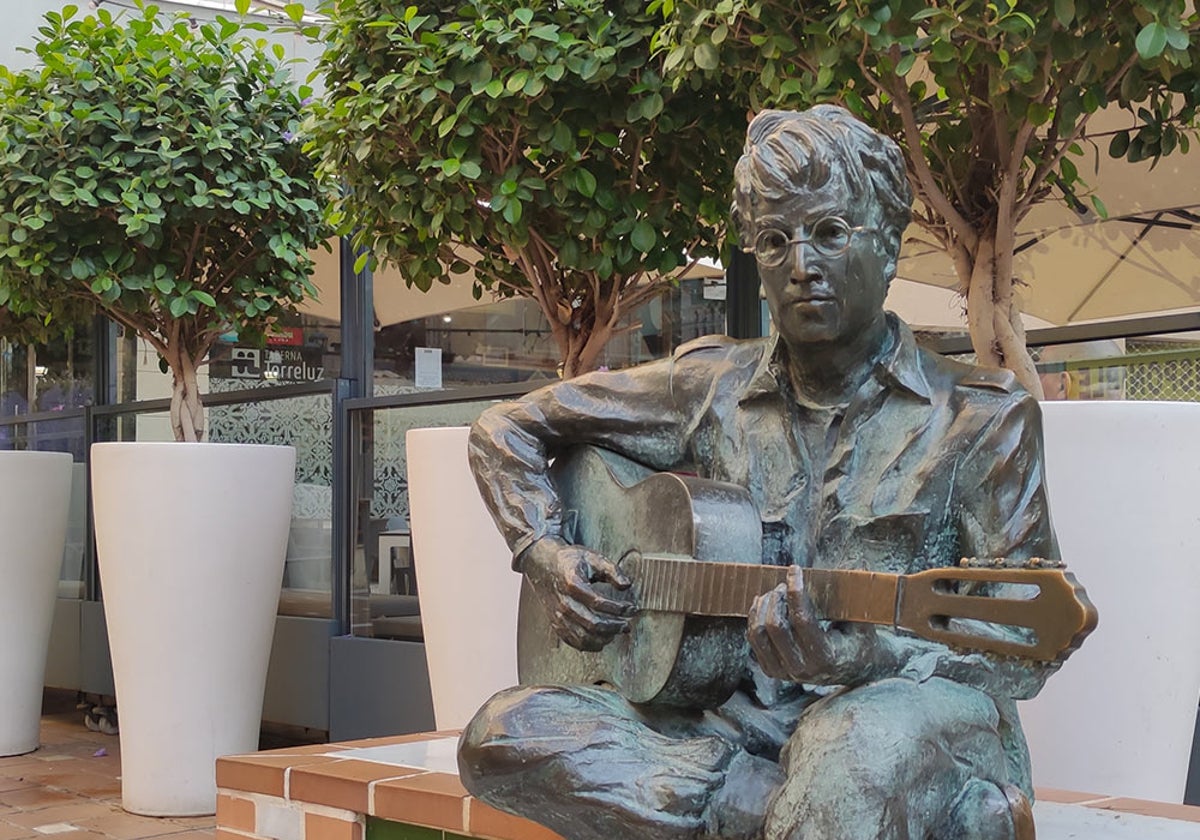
pixel 407 788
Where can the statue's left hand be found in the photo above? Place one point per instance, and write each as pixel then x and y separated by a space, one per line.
pixel 792 643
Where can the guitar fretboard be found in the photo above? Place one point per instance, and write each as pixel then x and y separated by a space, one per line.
pixel 684 585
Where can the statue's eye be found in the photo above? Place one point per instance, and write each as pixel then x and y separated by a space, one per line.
pixel 831 236
pixel 771 247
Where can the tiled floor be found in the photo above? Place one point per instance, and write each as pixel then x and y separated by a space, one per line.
pixel 70 788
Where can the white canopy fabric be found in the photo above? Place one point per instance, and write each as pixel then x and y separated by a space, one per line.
pixel 1075 267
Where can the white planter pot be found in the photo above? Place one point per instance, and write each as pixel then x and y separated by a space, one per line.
pixel 191 541
pixel 35 492
pixel 468 589
pixel 1124 480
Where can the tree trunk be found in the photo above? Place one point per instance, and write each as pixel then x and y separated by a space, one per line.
pixel 187 413
pixel 993 313
pixel 583 354
pixel 582 339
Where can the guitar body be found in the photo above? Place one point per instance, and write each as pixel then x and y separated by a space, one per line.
pixel 667 658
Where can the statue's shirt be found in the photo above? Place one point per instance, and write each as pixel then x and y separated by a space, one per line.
pixel 928 462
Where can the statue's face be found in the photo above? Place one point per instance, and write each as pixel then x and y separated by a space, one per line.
pixel 829 286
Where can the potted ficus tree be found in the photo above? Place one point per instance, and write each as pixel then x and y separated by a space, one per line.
pixel 151 167
pixel 534 144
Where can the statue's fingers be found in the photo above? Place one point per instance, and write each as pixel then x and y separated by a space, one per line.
pixel 600 626
pixel 800 606
pixel 598 603
pixel 761 642
pixel 789 647
pixel 603 569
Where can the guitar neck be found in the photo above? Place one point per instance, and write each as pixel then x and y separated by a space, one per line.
pixel 683 585
pixel 1047 622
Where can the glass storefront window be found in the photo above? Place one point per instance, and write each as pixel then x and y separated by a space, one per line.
pixel 511 341
pixel 385 602
pixel 48 377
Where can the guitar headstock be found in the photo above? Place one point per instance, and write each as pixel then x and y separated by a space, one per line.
pixel 1038 598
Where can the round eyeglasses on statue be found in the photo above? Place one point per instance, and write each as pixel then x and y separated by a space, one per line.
pixel 829 236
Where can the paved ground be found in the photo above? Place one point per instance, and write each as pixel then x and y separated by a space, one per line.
pixel 70 788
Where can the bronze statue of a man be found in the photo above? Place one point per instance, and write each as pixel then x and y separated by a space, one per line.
pixel 859 451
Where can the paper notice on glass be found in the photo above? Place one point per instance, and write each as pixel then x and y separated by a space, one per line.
pixel 428 373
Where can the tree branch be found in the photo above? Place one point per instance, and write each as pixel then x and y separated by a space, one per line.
pixel 932 194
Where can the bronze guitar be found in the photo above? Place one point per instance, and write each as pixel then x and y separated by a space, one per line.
pixel 692 548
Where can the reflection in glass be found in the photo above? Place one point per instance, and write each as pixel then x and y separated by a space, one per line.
pixel 307 424
pixel 511 341
pixel 49 377
pixel 384 596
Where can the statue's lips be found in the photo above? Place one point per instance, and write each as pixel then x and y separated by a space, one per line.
pixel 809 300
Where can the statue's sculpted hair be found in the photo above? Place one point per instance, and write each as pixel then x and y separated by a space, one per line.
pixel 820 148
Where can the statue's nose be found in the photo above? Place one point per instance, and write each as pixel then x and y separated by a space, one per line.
pixel 804 268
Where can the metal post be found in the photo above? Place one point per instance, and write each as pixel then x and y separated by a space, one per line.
pixel 357 373
pixel 743 312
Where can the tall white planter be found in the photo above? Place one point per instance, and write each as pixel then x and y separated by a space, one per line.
pixel 35 493
pixel 1124 481
pixel 468 589
pixel 191 540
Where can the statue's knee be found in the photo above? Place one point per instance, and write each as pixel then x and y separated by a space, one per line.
pixel 487 746
pixel 985 810
pixel 514 729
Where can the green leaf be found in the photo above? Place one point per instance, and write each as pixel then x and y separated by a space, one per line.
pixel 1152 40
pixel 585 182
pixel 707 57
pixel 652 106
pixel 1119 145
pixel 643 237
pixel 517 81
pixel 1101 210
pixel 1038 113
pixel 1064 11
pixel 204 298
pixel 178 307
pixel 1178 39
pixel 470 170
pixel 512 211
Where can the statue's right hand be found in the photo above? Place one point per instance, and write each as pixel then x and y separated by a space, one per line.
pixel 564 576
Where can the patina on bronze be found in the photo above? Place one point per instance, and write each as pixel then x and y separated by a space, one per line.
pixel 848 449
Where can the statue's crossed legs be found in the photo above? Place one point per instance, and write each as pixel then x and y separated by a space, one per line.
pixel 892 760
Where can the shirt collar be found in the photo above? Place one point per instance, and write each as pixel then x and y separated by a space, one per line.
pixel 900 367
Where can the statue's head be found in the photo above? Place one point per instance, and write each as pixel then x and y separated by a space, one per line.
pixel 821 199
pixel 822 149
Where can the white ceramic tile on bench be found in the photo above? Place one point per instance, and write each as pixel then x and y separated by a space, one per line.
pixel 1067 822
pixel 437 755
